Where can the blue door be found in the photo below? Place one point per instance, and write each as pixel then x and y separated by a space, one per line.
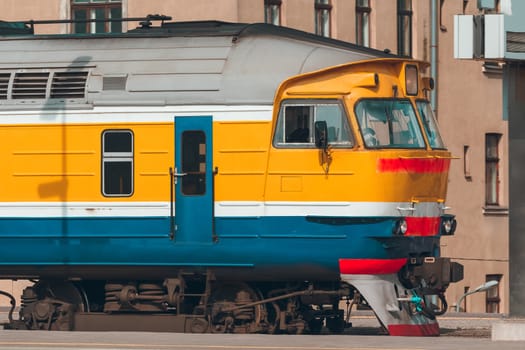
pixel 193 179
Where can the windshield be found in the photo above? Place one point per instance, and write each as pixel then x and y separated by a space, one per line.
pixel 430 124
pixel 389 124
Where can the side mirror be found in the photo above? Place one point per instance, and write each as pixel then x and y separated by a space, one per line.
pixel 321 134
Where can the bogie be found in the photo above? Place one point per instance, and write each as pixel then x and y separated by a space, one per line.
pixel 222 307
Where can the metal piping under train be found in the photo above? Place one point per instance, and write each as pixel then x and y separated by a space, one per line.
pixel 219 177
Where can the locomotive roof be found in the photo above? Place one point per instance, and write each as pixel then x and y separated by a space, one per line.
pixel 207 62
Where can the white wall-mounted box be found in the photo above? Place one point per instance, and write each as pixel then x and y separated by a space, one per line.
pixel 495 37
pixel 463 36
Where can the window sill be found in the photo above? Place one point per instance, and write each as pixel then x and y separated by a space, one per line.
pixel 495 211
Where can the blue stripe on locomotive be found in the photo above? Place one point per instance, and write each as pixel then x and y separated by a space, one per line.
pixel 144 241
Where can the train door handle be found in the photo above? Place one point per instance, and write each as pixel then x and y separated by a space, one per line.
pixel 176 175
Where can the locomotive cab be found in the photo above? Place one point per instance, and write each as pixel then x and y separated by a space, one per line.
pixel 376 141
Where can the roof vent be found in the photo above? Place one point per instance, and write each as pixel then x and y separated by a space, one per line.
pixel 30 85
pixel 69 85
pixel 4 84
pixel 114 83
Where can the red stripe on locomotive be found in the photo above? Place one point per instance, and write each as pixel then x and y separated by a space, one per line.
pixel 370 266
pixel 422 226
pixel 413 165
pixel 415 330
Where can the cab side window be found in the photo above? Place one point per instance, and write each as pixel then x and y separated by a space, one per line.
pixel 295 125
pixel 117 163
pixel 298 121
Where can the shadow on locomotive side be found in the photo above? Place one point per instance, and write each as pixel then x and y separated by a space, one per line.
pixel 219 177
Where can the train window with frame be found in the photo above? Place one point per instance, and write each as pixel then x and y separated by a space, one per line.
pixel 295 124
pixel 388 123
pixel 117 163
pixel 193 162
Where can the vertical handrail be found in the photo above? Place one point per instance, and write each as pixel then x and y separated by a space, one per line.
pixel 214 236
pixel 172 204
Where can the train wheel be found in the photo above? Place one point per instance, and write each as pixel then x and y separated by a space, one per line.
pixel 51 305
pixel 316 325
pixel 228 314
pixel 335 324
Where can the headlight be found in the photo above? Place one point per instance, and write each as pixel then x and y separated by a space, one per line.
pixel 448 225
pixel 411 80
pixel 400 227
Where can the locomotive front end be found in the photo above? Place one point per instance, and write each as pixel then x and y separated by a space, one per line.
pixel 400 135
pixel 386 167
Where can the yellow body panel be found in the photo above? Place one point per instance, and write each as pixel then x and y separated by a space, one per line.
pixel 57 163
pixel 352 176
pixel 240 156
pixel 62 162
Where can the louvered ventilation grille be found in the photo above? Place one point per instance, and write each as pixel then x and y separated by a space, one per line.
pixel 4 83
pixel 114 83
pixel 515 42
pixel 69 85
pixel 30 86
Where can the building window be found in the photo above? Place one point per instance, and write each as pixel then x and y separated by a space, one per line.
pixel 493 297
pixel 98 10
pixel 272 12
pixel 404 28
pixel 466 162
pixel 117 163
pixel 322 17
pixel 463 306
pixel 362 22
pixel 490 6
pixel 492 168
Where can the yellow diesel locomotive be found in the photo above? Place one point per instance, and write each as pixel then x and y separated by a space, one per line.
pixel 219 177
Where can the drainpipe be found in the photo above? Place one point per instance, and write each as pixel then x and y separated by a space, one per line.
pixel 433 52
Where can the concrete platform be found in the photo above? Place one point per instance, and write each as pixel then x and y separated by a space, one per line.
pixel 511 329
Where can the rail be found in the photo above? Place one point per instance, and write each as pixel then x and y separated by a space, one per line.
pixel 29 25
